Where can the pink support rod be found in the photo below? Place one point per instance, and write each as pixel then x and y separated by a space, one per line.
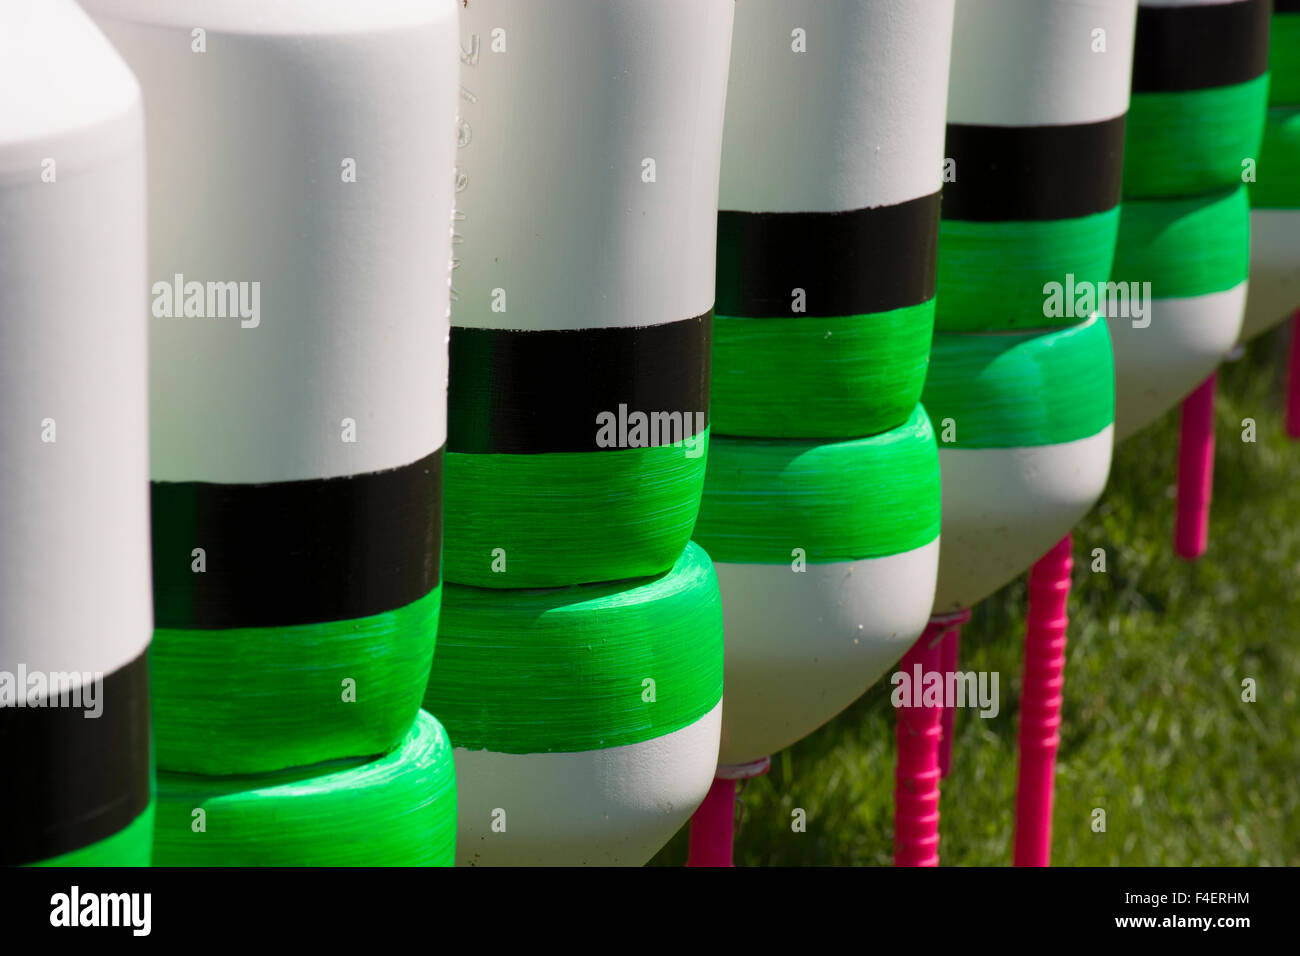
pixel 916 779
pixel 1195 472
pixel 1293 381
pixel 713 825
pixel 950 649
pixel 1040 704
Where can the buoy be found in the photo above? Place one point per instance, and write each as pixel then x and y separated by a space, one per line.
pixel 74 545
pixel 826 554
pixel 1274 193
pixel 1200 90
pixel 579 664
pixel 1200 83
pixel 1274 291
pixel 1187 260
pixel 1036 115
pixel 821 500
pixel 301 161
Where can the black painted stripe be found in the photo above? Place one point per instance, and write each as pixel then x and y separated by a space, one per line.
pixel 1286 6
pixel 1033 173
pixel 848 263
pixel 1199 47
pixel 296 552
pixel 524 393
pixel 71 780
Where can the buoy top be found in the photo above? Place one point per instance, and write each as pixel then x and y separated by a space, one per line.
pixel 865 108
pixel 277 16
pixel 59 75
pixel 1030 63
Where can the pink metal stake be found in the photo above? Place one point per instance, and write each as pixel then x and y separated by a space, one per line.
pixel 1040 704
pixel 713 825
pixel 1293 381
pixel 1195 472
pixel 950 649
pixel 916 779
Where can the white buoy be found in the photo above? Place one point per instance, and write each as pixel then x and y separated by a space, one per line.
pixel 828 224
pixel 1196 119
pixel 301 161
pixel 1275 221
pixel 584 715
pixel 75 615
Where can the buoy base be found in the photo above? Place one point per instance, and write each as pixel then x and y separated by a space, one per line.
pixel 802 647
pixel 615 806
pixel 1274 270
pixel 1003 508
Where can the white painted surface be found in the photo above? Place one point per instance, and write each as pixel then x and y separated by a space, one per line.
pixel 1004 508
pixel 1274 270
pixel 74 519
pixel 246 148
pixel 1031 62
pixel 556 128
pixel 1158 366
pixel 613 807
pixel 288 17
pixel 800 647
pixel 855 121
pixel 1185 3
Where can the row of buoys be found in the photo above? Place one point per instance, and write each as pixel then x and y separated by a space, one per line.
pixel 767 333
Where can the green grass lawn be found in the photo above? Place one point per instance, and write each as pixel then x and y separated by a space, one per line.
pixel 1154 728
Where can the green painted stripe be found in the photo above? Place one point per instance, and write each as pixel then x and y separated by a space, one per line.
pixel 1021 390
pixel 395 810
pixel 991 274
pixel 1284 59
pixel 130 846
pixel 570 517
pixel 841 501
pixel 819 377
pixel 1185 247
pixel 1277 180
pixel 563 670
pixel 254 700
pixel 1185 144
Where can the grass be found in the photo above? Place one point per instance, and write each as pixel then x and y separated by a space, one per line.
pixel 1154 728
